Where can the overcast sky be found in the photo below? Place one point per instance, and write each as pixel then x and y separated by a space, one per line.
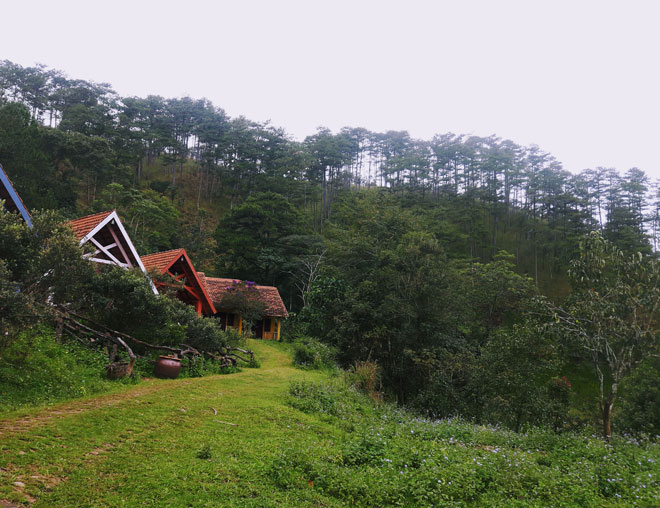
pixel 579 78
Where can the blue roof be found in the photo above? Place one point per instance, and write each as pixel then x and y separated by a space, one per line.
pixel 13 201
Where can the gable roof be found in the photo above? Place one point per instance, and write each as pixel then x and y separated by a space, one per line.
pixel 105 231
pixel 269 295
pixel 13 201
pixel 163 261
pixel 83 226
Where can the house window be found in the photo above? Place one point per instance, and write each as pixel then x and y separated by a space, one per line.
pixel 267 325
pixel 230 319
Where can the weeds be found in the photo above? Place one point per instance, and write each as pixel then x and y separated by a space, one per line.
pixel 391 458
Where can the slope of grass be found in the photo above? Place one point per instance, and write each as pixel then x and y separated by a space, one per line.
pixel 288 437
pixel 36 370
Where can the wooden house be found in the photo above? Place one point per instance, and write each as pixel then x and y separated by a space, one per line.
pixel 12 200
pixel 177 266
pixel 275 310
pixel 108 240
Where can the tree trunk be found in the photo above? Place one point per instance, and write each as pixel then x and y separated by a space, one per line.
pixel 606 408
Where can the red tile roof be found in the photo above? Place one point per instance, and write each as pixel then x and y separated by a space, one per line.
pixel 161 260
pixel 269 295
pixel 81 227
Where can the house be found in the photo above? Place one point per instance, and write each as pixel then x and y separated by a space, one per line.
pixel 13 201
pixel 275 310
pixel 108 240
pixel 177 265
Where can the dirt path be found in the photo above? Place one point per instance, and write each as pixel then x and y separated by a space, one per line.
pixel 85 452
pixel 274 359
pixel 42 416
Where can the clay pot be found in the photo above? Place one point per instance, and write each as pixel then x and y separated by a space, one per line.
pixel 167 367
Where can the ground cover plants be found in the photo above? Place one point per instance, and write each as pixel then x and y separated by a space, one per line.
pixel 36 369
pixel 283 436
pixel 388 457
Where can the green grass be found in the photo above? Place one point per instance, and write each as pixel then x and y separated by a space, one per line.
pixel 311 443
pixel 37 370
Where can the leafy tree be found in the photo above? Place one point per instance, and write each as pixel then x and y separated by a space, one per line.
pixel 243 297
pixel 38 267
pixel 257 238
pixel 612 313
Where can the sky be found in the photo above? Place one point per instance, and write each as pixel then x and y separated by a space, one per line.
pixel 579 78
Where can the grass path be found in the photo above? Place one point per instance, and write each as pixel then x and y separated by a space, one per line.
pixel 138 447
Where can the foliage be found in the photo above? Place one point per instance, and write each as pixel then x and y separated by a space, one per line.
pixel 390 458
pixel 612 313
pixel 39 265
pixel 310 353
pixel 150 218
pixel 36 369
pixel 258 238
pixel 242 297
pixel 366 378
pixel 516 380
pixel 124 300
pixel 640 400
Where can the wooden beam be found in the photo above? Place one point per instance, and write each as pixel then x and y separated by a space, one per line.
pixel 278 329
pixel 106 251
pixel 118 243
pixel 108 262
pixel 192 292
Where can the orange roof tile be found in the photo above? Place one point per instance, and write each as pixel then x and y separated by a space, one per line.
pixel 269 295
pixel 161 260
pixel 81 227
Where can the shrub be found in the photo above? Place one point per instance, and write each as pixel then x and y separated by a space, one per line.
pixel 199 366
pixel 310 353
pixel 366 377
pixel 312 397
pixel 391 458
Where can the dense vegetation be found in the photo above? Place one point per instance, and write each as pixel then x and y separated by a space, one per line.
pixel 444 261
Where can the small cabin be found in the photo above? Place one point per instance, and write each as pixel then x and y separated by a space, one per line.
pixel 176 265
pixel 266 328
pixel 12 200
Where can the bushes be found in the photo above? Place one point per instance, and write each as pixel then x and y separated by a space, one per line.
pixel 309 353
pixel 366 378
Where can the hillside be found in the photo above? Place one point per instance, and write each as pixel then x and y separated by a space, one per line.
pixel 160 444
pixel 476 275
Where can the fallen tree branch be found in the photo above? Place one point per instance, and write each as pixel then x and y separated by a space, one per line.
pixel 75 327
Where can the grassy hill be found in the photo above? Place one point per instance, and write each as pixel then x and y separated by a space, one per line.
pixel 287 437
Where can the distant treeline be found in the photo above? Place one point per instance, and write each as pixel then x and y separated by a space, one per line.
pixel 65 140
